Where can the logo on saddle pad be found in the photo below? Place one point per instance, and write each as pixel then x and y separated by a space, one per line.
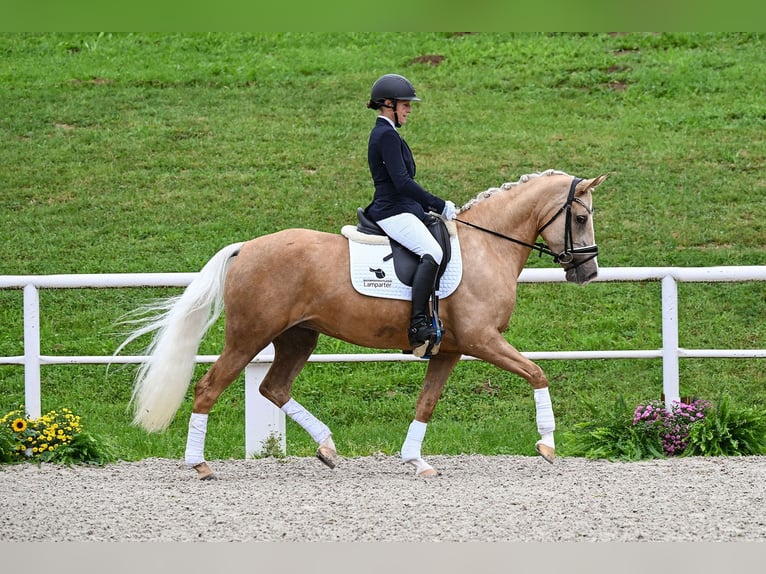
pixel 380 281
pixel 372 267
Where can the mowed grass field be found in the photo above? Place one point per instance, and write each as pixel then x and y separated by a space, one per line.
pixel 149 152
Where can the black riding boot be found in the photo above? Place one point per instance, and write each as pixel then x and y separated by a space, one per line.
pixel 421 323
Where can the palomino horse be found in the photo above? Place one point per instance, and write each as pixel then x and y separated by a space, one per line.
pixel 288 287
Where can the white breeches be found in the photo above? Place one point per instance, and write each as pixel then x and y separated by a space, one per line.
pixel 408 230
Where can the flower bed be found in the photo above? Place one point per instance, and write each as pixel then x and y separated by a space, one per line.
pixel 650 430
pixel 56 437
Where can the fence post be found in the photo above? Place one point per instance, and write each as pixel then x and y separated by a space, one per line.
pixel 263 420
pixel 670 384
pixel 32 402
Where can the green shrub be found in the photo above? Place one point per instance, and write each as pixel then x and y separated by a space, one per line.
pixel 7 446
pixel 611 434
pixel 727 431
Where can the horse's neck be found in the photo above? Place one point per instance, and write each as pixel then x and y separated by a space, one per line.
pixel 509 212
pixel 513 213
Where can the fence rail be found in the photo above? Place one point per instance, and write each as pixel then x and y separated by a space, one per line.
pixel 263 420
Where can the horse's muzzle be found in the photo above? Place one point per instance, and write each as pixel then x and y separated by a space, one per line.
pixel 580 264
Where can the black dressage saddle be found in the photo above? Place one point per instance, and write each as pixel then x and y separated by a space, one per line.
pixel 405 261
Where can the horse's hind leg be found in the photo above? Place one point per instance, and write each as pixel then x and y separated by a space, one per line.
pixel 291 351
pixel 206 392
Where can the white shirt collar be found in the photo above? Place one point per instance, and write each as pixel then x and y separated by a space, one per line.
pixel 389 120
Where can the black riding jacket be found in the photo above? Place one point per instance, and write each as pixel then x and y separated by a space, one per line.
pixel 392 167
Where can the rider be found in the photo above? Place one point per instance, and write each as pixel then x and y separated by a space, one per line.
pixel 400 205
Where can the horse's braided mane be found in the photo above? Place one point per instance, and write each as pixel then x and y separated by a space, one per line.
pixel 482 195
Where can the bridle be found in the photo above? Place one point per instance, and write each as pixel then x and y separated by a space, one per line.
pixel 568 254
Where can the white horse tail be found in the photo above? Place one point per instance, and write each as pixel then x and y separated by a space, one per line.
pixel 181 322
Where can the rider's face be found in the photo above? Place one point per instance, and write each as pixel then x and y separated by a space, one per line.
pixel 403 109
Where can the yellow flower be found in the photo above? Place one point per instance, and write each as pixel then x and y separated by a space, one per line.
pixel 19 425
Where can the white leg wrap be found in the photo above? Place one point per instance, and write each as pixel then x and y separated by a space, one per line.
pixel 328 443
pixel 319 431
pixel 195 439
pixel 546 424
pixel 411 446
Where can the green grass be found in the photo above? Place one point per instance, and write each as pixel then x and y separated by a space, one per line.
pixel 149 152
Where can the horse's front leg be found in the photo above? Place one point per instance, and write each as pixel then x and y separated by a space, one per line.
pixel 502 354
pixel 439 368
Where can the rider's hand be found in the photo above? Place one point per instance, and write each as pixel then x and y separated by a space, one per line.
pixel 449 211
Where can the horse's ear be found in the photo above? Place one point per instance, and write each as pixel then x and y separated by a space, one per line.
pixel 589 184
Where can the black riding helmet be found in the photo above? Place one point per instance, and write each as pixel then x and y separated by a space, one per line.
pixel 391 87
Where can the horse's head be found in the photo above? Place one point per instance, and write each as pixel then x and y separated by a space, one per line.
pixel 569 232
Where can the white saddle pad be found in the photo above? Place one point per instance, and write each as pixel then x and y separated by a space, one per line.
pixel 371 275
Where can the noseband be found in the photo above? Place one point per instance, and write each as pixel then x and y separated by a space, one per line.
pixel 568 254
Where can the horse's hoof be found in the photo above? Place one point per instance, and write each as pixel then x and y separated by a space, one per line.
pixel 545 451
pixel 204 472
pixel 327 456
pixel 422 468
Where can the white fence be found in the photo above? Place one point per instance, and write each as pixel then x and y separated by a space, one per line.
pixel 263 420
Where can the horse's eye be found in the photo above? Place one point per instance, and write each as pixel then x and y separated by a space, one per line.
pixel 581 219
